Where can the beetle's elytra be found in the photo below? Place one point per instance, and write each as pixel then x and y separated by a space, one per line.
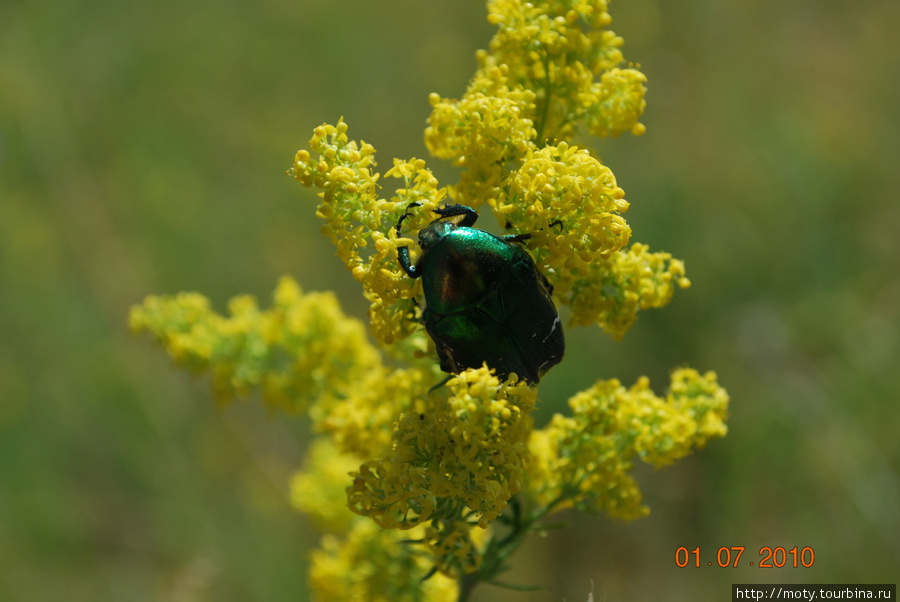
pixel 485 300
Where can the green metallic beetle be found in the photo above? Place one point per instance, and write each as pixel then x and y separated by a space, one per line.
pixel 485 300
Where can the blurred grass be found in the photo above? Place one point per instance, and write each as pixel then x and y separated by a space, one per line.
pixel 143 149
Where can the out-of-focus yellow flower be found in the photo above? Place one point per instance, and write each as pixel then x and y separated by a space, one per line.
pixel 357 560
pixel 301 350
pixel 318 489
pixel 378 566
pixel 456 545
pixel 363 422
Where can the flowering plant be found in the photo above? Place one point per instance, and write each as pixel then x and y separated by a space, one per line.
pixel 424 491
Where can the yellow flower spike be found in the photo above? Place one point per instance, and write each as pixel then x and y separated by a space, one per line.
pixel 300 351
pixel 355 215
pixel 461 436
pixel 574 48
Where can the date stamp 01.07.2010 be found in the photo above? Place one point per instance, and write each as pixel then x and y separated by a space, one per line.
pixel 731 557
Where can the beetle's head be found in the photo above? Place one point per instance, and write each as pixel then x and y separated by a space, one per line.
pixel 435 231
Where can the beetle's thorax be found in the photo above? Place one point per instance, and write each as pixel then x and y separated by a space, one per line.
pixel 462 268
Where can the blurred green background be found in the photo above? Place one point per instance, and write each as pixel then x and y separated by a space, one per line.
pixel 143 148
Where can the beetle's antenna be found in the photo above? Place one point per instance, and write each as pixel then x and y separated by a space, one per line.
pixel 441 384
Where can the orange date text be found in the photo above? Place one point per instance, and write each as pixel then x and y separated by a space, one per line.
pixel 730 556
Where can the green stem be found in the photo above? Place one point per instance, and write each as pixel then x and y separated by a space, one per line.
pixel 499 550
pixel 466 584
pixel 545 110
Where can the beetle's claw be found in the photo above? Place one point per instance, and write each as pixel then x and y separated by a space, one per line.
pixel 470 216
pixel 406 214
pixel 516 237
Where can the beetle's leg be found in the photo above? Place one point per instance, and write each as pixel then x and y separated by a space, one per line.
pixel 470 215
pixel 515 237
pixel 442 383
pixel 544 281
pixel 522 238
pixel 403 252
pixel 406 215
pixel 556 222
pixel 412 312
pixel 405 263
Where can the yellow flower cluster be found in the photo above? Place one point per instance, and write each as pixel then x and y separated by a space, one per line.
pixel 551 66
pixel 485 132
pixel 571 205
pixel 537 82
pixel 360 224
pixel 631 279
pixel 465 444
pixel 356 559
pixel 558 48
pixel 584 460
pixel 302 349
pixel 462 455
pixel 362 422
